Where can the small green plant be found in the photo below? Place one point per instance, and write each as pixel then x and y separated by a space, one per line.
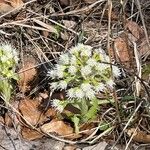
pixel 8 61
pixel 83 73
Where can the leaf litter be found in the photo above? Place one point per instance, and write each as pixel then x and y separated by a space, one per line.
pixel 36 121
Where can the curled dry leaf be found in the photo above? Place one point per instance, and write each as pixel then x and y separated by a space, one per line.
pixel 139 136
pixel 30 134
pixel 27 73
pixel 30 111
pixel 8 5
pixel 121 51
pixel 135 29
pixel 58 127
pixel 144 47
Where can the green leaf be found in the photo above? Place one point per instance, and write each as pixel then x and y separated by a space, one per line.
pixel 76 122
pixel 92 112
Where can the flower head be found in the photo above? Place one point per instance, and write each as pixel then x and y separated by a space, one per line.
pixel 100 87
pixel 62 84
pixel 54 85
pixel 91 62
pixel 110 83
pixel 72 70
pixel 64 59
pixel 86 87
pixel 71 93
pixel 116 71
pixel 90 94
pixel 86 70
pixel 79 93
pixel 57 105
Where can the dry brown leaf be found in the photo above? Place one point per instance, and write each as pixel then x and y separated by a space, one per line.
pixel 121 51
pixel 143 48
pixel 8 5
pixel 30 134
pixel 139 136
pixel 27 73
pixel 58 127
pixel 31 113
pixel 29 110
pixel 135 29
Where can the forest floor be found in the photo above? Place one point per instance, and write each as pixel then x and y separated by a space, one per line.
pixel 40 31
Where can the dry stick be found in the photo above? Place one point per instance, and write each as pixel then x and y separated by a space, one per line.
pixel 145 30
pixel 17 8
pixel 130 119
pixel 108 48
pixel 38 49
pixel 126 148
pixel 79 10
pixel 139 70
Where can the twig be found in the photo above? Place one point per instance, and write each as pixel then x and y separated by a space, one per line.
pixel 79 10
pixel 145 30
pixel 130 119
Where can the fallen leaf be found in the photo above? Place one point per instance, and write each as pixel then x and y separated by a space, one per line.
pixel 122 52
pixel 143 47
pixel 27 73
pixel 135 29
pixel 8 5
pixel 138 136
pixel 30 134
pixel 58 127
pixel 29 111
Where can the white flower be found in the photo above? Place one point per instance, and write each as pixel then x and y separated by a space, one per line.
pixel 86 70
pixel 105 58
pixel 60 67
pixel 74 50
pixel 52 73
pixel 101 66
pixel 116 71
pixel 64 59
pixel 100 51
pixel 4 58
pixel 100 87
pixel 110 83
pixel 60 74
pixel 62 84
pixel 59 70
pixel 85 50
pixel 57 105
pixel 9 52
pixel 91 62
pixel 90 94
pixel 71 93
pixel 54 85
pixel 79 93
pixel 72 70
pixel 73 60
pixel 86 87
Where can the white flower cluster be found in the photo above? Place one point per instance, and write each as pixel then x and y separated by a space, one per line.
pixel 83 72
pixel 8 60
